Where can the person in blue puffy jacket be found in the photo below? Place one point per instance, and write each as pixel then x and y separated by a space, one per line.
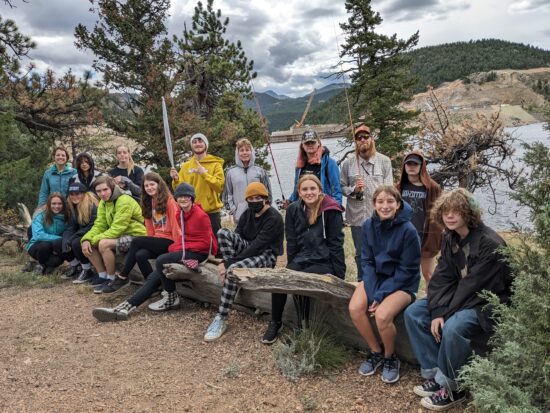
pixel 390 259
pixel 48 225
pixel 56 177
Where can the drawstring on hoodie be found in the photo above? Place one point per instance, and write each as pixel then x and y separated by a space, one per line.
pixel 182 236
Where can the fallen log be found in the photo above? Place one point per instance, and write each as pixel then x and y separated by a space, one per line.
pixel 330 298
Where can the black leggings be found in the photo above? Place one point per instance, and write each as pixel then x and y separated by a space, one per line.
pixel 49 253
pixel 76 249
pixel 142 249
pixel 157 277
pixel 301 303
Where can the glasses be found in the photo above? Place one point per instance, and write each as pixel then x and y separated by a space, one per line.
pixel 362 138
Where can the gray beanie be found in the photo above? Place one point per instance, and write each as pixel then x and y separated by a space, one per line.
pixel 201 137
pixel 184 190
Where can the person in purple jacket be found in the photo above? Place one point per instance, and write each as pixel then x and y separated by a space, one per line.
pixel 390 259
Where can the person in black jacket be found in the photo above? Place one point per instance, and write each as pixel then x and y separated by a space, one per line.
pixel 83 207
pixel 86 173
pixel 441 327
pixel 315 244
pixel 256 243
pixel 128 176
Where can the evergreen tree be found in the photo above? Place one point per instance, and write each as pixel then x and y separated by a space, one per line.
pixel 380 76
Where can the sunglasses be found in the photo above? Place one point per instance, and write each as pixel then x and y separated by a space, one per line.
pixel 362 138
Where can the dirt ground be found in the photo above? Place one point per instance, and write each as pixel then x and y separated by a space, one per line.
pixel 57 358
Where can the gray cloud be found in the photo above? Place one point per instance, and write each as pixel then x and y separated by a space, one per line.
pixel 293 45
pixel 527 6
pixel 406 10
pixel 318 12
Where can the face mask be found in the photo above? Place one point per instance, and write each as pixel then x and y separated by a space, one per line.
pixel 256 206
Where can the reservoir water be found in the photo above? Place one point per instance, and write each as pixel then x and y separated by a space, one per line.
pixel 507 211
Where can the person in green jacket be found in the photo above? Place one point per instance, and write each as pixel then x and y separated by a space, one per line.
pixel 119 219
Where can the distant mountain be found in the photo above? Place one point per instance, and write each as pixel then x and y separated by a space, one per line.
pixel 275 95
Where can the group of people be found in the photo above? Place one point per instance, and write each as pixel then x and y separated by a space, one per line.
pixel 397 232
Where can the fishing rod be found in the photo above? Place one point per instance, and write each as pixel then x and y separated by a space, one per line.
pixel 266 137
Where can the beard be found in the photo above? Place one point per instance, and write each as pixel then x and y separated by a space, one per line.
pixel 366 150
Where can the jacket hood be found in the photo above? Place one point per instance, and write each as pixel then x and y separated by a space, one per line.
pixel 209 159
pixel 238 161
pixel 330 204
pixel 88 158
pixel 404 214
pixel 68 168
pixel 117 192
pixel 425 178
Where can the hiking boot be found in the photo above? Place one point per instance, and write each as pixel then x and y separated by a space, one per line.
pixel 99 288
pixel 216 328
pixel 427 388
pixel 119 313
pixel 85 276
pixel 38 269
pixel 390 372
pixel 116 285
pixel 371 364
pixel 443 399
pixel 169 301
pixel 270 335
pixel 71 272
pixel 29 266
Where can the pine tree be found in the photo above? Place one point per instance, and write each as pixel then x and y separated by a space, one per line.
pixel 380 76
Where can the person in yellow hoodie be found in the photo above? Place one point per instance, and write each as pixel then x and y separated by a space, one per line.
pixel 205 173
pixel 119 219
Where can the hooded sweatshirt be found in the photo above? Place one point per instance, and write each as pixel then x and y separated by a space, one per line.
pixel 120 215
pixel 237 179
pixel 320 243
pixel 195 232
pixel 329 175
pixel 432 233
pixel 74 230
pixel 165 225
pixel 43 232
pixel 88 181
pixel 390 255
pixel 208 186
pixel 54 181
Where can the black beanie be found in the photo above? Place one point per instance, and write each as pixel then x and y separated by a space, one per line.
pixel 185 190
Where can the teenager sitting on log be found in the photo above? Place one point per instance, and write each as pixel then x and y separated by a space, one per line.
pixel 83 207
pixel 256 243
pixel 196 240
pixel 442 326
pixel 390 259
pixel 48 225
pixel 315 244
pixel 162 216
pixel 119 219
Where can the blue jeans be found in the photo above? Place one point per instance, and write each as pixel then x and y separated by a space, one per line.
pixel 441 361
pixel 357 236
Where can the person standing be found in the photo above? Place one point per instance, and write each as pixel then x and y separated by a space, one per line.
pixel 128 176
pixel 420 191
pixel 204 172
pixel 239 176
pixel 86 173
pixel 56 177
pixel 314 158
pixel 360 175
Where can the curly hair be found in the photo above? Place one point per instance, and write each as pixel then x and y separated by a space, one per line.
pixel 460 201
pixel 161 199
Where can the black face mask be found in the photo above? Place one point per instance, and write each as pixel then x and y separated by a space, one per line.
pixel 256 206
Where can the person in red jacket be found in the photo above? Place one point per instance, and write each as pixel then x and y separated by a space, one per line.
pixel 161 213
pixel 194 245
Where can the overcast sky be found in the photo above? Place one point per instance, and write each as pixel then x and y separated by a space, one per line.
pixel 294 42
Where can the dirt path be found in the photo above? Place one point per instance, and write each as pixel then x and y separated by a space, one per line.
pixel 56 357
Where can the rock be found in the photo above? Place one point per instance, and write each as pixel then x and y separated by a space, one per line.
pixel 11 247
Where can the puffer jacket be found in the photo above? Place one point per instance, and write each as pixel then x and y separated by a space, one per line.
pixel 320 243
pixel 120 215
pixel 237 179
pixel 43 232
pixel 54 181
pixel 390 255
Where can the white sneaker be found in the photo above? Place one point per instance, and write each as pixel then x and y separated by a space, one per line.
pixel 169 301
pixel 119 313
pixel 216 328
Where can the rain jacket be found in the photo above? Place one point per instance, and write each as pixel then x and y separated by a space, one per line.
pixel 74 230
pixel 208 186
pixel 320 243
pixel 120 215
pixel 41 232
pixel 54 181
pixel 449 292
pixel 237 179
pixel 195 232
pixel 330 178
pixel 390 255
pixel 431 243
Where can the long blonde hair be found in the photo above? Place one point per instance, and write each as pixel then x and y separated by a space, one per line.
pixel 131 164
pixel 83 210
pixel 313 210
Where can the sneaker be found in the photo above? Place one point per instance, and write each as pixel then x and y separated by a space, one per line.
pixel 371 364
pixel 29 266
pixel 97 280
pixel 216 328
pixel 38 269
pixel 71 272
pixel 119 313
pixel 85 276
pixel 270 336
pixel 443 399
pixel 427 388
pixel 169 301
pixel 390 372
pixel 115 285
pixel 99 288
